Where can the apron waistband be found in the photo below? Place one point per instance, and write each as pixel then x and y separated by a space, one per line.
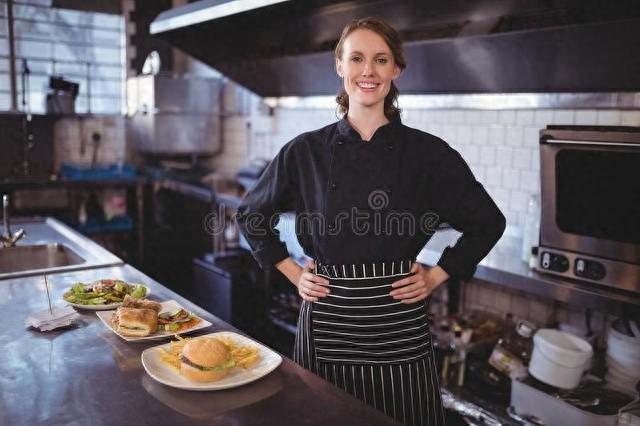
pixel 366 270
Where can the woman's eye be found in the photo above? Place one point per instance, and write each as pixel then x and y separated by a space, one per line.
pixel 382 60
pixel 356 59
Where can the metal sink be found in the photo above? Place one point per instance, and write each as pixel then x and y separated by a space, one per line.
pixel 51 247
pixel 42 256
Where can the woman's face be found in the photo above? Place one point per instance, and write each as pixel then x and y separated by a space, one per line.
pixel 367 68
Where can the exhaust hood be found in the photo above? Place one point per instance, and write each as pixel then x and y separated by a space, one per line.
pixel 284 47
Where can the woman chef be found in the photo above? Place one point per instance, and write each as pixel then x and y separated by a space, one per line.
pixel 369 192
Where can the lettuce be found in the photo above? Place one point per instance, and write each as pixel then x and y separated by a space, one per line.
pixel 78 288
pixel 139 292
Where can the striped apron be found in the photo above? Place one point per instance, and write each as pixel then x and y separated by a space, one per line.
pixel 370 345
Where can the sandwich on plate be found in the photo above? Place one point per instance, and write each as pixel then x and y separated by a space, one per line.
pixel 135 322
pixel 132 302
pixel 177 321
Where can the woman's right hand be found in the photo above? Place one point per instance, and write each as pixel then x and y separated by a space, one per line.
pixel 311 286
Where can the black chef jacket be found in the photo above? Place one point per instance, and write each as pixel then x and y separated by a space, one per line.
pixel 370 201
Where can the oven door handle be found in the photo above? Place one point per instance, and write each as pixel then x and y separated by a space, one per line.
pixel 576 142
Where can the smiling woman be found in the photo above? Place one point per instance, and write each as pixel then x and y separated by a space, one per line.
pixel 363 323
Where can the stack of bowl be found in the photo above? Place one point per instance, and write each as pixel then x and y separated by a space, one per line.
pixel 623 355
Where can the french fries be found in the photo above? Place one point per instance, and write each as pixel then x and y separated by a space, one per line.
pixel 244 356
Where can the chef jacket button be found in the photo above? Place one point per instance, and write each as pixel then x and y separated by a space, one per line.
pixel 390 147
pixel 388 190
pixel 334 185
pixel 340 142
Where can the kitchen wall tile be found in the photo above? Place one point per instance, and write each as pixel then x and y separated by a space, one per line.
pixel 518 201
pixel 479 135
pixel 530 181
pixel 486 296
pixel 455 116
pixel 449 133
pixel 511 178
pixel 500 196
pixel 519 306
pixel 487 155
pixel 522 158
pixel 539 311
pixel 563 116
pixel 512 217
pixel 480 172
pixel 514 136
pixel 524 117
pixel 535 162
pixel 531 137
pixel 507 117
pixel 630 118
pixel 471 154
pixel 609 118
pixel 586 116
pixel 505 156
pixel 503 301
pixel 489 117
pixel 472 117
pixel 542 117
pixel 496 135
pixel 464 135
pixel 493 176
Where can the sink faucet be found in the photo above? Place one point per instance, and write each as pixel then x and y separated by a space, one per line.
pixel 8 238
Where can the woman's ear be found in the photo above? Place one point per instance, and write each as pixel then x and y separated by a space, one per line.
pixel 339 67
pixel 396 72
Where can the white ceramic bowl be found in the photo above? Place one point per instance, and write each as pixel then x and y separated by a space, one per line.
pixel 559 358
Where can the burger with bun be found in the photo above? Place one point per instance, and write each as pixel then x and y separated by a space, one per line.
pixel 205 359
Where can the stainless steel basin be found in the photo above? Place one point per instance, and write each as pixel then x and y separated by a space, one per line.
pixel 41 256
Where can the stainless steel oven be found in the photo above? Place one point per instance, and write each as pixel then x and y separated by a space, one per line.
pixel 590 222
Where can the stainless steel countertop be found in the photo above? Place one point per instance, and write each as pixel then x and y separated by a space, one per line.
pixel 49 230
pixel 88 375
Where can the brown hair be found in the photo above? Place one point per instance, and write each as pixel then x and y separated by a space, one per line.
pixel 393 40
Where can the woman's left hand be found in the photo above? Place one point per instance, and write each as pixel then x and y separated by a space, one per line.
pixel 418 286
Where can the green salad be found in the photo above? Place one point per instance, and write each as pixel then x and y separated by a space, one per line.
pixel 103 292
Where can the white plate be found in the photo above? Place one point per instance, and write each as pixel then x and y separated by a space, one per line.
pixel 101 307
pixel 165 374
pixel 168 306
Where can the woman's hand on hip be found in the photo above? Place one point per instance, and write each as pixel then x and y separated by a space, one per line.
pixel 311 286
pixel 418 286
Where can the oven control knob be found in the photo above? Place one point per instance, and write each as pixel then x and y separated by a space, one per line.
pixel 554 262
pixel 546 260
pixel 590 269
